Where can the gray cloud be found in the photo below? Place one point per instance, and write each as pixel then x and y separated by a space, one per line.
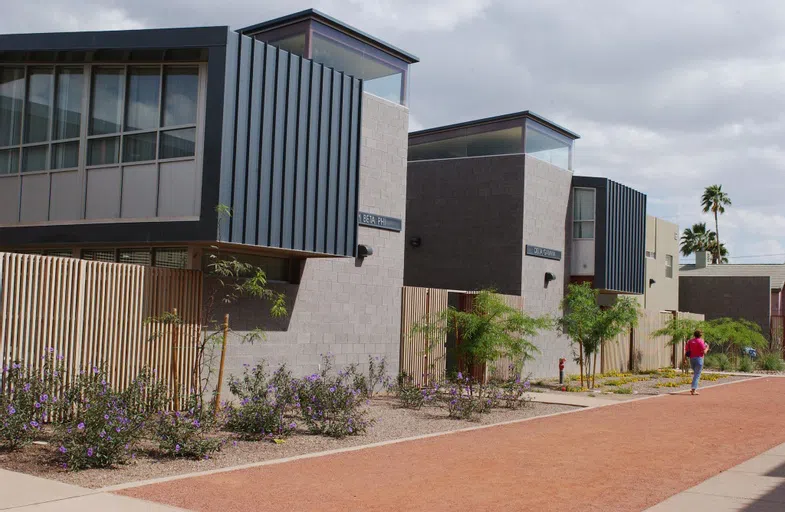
pixel 668 96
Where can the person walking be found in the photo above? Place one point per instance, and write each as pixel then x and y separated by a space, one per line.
pixel 695 349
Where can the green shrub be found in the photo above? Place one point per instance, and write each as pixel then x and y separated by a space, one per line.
pixel 30 398
pixel 266 403
pixel 746 365
pixel 106 425
pixel 771 363
pixel 623 391
pixel 718 362
pixel 410 395
pixel 187 434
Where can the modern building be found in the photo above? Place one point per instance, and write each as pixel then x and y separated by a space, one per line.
pixel 493 203
pixel 662 274
pixel 283 143
pixel 748 291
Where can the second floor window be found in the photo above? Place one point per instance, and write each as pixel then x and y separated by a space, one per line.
pixel 583 207
pixel 668 266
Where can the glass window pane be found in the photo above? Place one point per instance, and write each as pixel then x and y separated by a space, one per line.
pixel 9 161
pixel 103 151
pixel 12 94
pixel 583 206
pixel 178 143
pixel 181 86
pixel 34 158
pixel 139 147
pixel 65 155
pixel 293 44
pixel 39 103
pixel 141 111
pixel 498 142
pixel 584 229
pixel 59 253
pixel 107 101
pixel 171 258
pixel 136 256
pixel 98 255
pixel 68 104
pixel 387 87
pixel 547 148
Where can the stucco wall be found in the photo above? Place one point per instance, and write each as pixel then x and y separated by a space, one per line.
pixel 662 238
pixel 345 306
pixel 735 297
pixel 468 214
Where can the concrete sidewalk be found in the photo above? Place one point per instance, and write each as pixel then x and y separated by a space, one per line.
pixel 757 485
pixel 20 492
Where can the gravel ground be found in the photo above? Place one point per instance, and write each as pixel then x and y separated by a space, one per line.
pixel 391 423
pixel 649 385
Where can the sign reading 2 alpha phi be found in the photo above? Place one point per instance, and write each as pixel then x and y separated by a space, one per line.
pixel 541 252
pixel 379 221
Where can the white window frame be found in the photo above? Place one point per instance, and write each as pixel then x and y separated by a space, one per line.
pixel 669 267
pixel 593 220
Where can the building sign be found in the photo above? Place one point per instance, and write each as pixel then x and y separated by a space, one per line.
pixel 541 252
pixel 379 221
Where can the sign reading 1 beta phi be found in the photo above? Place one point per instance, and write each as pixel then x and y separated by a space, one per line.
pixel 379 221
pixel 541 252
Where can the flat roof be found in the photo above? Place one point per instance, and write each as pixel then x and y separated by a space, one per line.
pixel 313 14
pixel 526 114
pixel 774 271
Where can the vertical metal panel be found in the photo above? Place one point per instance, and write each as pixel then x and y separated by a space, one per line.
pixel 268 130
pixel 343 167
pixel 303 130
pixel 314 122
pixel 254 145
pixel 324 158
pixel 241 138
pixel 227 138
pixel 290 161
pixel 335 148
pixel 354 160
pixel 279 145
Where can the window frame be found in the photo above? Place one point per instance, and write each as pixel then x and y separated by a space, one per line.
pixel 669 266
pixel 592 221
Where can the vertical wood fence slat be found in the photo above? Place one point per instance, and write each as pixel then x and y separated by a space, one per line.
pixel 94 312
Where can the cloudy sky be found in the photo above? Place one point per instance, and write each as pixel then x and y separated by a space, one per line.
pixel 668 96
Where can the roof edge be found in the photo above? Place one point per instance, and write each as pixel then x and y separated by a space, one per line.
pixel 525 114
pixel 333 23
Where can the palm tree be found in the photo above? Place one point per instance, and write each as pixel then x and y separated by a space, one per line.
pixel 723 252
pixel 715 200
pixel 696 239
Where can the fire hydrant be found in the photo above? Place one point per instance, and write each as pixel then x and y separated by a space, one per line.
pixel 561 370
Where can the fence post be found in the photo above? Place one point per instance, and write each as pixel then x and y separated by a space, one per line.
pixel 175 361
pixel 221 367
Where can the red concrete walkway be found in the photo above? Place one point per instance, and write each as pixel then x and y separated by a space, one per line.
pixel 625 457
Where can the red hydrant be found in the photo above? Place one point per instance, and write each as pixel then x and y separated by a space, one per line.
pixel 561 370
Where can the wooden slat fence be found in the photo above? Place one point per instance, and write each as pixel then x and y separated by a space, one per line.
pixel 96 313
pixel 425 359
pixel 649 352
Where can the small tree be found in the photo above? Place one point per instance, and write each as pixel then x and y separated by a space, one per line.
pixel 589 326
pixel 678 330
pixel 725 335
pixel 491 330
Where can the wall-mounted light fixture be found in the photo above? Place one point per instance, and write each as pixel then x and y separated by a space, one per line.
pixel 652 282
pixel 415 241
pixel 549 276
pixel 363 251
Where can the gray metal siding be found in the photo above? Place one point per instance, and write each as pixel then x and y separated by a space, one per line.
pixel 290 156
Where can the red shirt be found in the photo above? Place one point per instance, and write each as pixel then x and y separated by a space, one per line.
pixel 696 347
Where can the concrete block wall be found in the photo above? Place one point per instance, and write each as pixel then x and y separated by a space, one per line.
pixel 728 297
pixel 344 306
pixel 545 224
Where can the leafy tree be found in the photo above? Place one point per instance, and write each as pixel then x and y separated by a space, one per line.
pixel 491 330
pixel 726 335
pixel 589 325
pixel 714 200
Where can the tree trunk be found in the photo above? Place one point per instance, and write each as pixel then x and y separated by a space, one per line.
pixel 717 232
pixel 594 372
pixel 580 356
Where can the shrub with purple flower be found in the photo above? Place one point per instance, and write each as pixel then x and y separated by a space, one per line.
pixel 28 399
pixel 330 405
pixel 106 425
pixel 266 403
pixel 190 433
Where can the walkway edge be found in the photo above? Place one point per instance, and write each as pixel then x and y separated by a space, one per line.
pixel 142 483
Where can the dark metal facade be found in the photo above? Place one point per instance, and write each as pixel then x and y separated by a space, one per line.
pixel 620 237
pixel 290 151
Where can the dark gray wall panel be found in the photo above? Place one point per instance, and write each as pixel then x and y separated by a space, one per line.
pixel 65 199
pixel 140 192
pixel 9 199
pixel 35 198
pixel 290 157
pixel 177 190
pixel 103 193
pixel 727 297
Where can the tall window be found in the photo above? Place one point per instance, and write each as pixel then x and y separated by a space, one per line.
pixel 583 208
pixel 136 114
pixel 669 266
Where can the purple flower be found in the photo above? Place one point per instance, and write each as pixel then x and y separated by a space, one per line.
pixel 24 426
pixel 292 425
pixel 350 430
pixel 62 449
pixel 37 405
pixel 65 466
pixel 332 390
pixel 16 366
pixel 177 448
pixel 95 370
pixel 27 387
pixel 102 434
pixel 80 426
pixel 234 443
pixel 11 410
pixel 106 416
pixel 527 385
pixel 68 430
pixel 126 446
pixel 60 357
pixel 44 397
pixel 34 424
pixel 133 455
pixel 117 430
pixel 196 423
pixel 89 452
